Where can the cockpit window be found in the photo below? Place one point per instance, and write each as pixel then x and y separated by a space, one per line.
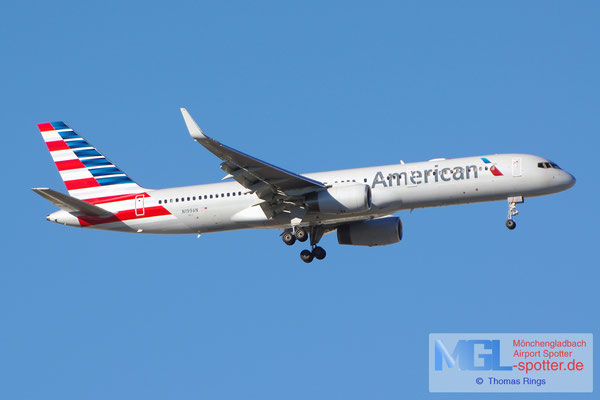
pixel 548 165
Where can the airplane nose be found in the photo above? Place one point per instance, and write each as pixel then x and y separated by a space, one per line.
pixel 568 180
pixel 573 180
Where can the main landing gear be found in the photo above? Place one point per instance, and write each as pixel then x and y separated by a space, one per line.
pixel 290 237
pixel 315 233
pixel 317 252
pixel 512 211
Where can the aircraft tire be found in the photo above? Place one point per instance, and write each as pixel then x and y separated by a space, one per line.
pixel 288 238
pixel 301 234
pixel 306 256
pixel 510 224
pixel 319 253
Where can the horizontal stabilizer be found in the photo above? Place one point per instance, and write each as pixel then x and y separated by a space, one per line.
pixel 71 204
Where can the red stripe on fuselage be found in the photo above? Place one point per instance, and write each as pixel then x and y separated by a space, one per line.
pixel 81 183
pixel 46 126
pixel 110 199
pixel 124 215
pixel 57 145
pixel 69 164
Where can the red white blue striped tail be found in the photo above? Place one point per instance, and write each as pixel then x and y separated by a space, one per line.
pixel 87 174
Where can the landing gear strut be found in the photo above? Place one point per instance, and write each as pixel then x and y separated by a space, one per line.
pixel 512 211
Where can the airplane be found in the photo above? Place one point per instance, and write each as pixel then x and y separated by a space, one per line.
pixel 358 203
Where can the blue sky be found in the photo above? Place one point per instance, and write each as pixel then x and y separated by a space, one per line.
pixel 311 86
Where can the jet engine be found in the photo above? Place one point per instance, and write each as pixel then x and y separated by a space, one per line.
pixel 340 199
pixel 374 232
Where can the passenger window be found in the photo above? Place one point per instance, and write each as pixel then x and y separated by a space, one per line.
pixel 160 202
pixel 233 193
pixel 211 196
pixel 194 198
pixel 205 197
pixel 228 194
pixel 239 193
pixel 188 199
pixel 217 195
pixel 177 200
pixel 171 200
pixel 365 180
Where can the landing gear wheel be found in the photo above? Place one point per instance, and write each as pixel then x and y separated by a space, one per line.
pixel 301 234
pixel 306 256
pixel 512 210
pixel 319 253
pixel 288 238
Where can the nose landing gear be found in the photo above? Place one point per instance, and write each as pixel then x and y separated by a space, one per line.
pixel 512 211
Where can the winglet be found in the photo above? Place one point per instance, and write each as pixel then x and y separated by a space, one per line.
pixel 192 126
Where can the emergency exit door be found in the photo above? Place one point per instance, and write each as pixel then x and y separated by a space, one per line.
pixel 516 167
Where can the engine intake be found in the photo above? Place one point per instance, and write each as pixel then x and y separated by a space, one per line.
pixel 374 232
pixel 340 199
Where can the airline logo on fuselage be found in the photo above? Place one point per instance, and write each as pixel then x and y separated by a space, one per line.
pixel 420 176
pixel 414 177
pixel 494 170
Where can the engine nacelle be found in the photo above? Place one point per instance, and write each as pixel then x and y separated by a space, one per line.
pixel 340 199
pixel 373 232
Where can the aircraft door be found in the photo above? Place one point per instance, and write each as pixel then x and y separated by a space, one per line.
pixel 516 167
pixel 139 205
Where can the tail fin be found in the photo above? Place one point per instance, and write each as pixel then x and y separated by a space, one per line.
pixel 87 174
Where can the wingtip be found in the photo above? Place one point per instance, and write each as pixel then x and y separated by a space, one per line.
pixel 192 126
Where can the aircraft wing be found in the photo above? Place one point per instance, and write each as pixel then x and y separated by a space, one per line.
pixel 71 204
pixel 267 180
